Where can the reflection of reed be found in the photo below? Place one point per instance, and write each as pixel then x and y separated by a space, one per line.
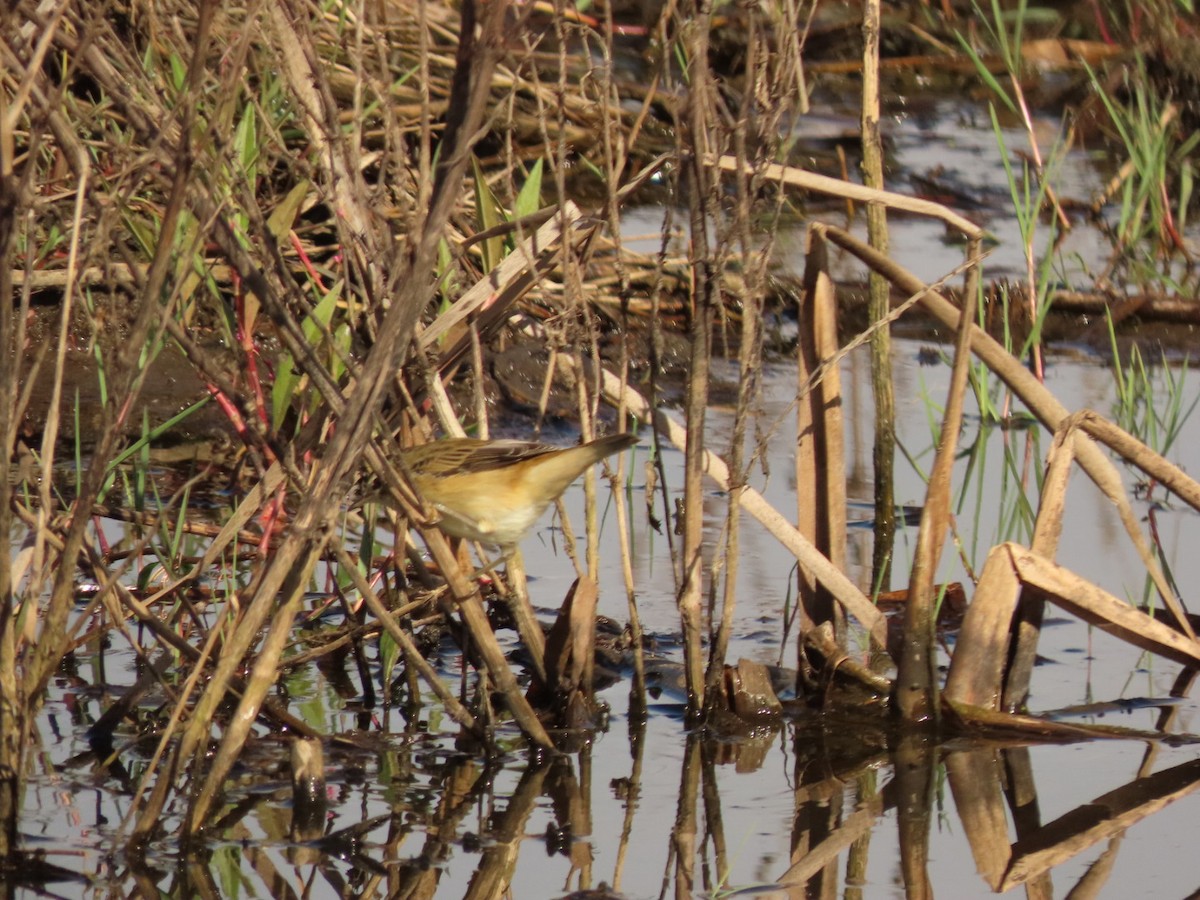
pixel 463 787
pixel 976 777
pixel 494 874
pixel 629 789
pixel 828 755
pixel 1103 818
pixel 683 834
pixel 989 782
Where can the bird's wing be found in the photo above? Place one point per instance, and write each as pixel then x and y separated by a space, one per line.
pixel 498 454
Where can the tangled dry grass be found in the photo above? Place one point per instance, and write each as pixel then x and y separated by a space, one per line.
pixel 329 213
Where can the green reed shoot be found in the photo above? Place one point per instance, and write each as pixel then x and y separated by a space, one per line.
pixel 288 380
pixel 1029 190
pixel 489 214
pixel 1160 156
pixel 977 493
pixel 1150 408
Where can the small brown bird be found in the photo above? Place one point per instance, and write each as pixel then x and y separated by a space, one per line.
pixel 493 492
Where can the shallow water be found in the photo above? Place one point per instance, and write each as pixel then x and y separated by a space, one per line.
pixel 607 813
pixel 761 802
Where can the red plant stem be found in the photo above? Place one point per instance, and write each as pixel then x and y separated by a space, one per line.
pixel 246 342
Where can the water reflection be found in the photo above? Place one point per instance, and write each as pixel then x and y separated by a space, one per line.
pixel 528 826
pixel 812 806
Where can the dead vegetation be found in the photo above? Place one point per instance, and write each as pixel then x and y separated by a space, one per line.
pixel 335 220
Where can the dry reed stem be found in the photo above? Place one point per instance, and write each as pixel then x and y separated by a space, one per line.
pixel 696 130
pixel 820 451
pixel 839 663
pixel 295 48
pixel 1098 607
pixel 843 589
pixel 528 264
pixel 1040 401
pixel 884 439
pixel 792 176
pixel 978 668
pixel 981 652
pixel 772 67
pixel 1138 454
pixel 917 679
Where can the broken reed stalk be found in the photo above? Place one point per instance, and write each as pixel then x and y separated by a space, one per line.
pixel 614 161
pixel 820 450
pixel 1027 621
pixel 621 484
pixel 725 563
pixel 1040 401
pixel 791 176
pixel 915 696
pixel 568 688
pixel 1014 578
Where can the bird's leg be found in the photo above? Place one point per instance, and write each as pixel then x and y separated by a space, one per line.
pixel 492 567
